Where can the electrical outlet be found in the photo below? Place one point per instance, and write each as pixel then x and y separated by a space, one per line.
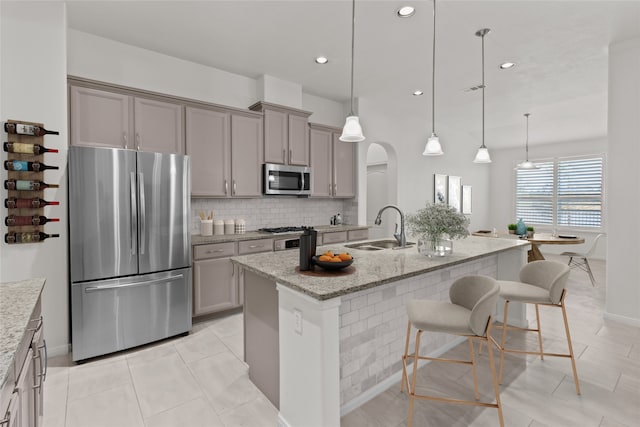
pixel 297 315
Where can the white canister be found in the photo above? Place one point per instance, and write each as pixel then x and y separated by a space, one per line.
pixel 206 227
pixel 240 226
pixel 218 226
pixel 229 226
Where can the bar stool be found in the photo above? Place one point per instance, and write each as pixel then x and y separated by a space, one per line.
pixel 469 314
pixel 541 283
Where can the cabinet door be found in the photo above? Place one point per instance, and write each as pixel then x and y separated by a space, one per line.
pixel 158 126
pixel 276 134
pixel 12 415
pixel 246 156
pixel 99 118
pixel 320 142
pixel 38 346
pixel 25 388
pixel 298 140
pixel 209 144
pixel 215 286
pixel 344 156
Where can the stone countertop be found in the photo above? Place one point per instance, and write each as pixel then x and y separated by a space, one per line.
pixel 17 301
pixel 372 268
pixel 197 239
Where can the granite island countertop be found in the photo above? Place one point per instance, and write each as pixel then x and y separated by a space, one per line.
pixel 372 268
pixel 17 301
pixel 197 239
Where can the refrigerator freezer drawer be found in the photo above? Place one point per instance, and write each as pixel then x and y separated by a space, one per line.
pixel 117 314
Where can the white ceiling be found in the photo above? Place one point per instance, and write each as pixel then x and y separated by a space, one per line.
pixel 560 48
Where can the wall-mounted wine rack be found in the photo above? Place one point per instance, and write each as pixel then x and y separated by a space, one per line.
pixel 31 233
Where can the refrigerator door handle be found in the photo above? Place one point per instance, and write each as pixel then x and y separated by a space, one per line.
pixel 134 213
pixel 143 215
pixel 131 285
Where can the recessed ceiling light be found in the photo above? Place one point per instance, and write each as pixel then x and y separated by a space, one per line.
pixel 418 93
pixel 507 65
pixel 321 60
pixel 406 11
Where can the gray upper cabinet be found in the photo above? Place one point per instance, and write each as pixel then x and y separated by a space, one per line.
pixel 226 152
pixel 332 163
pixel 158 126
pixel 208 143
pixel 100 119
pixel 286 138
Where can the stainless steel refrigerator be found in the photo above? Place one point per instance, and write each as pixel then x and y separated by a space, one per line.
pixel 130 248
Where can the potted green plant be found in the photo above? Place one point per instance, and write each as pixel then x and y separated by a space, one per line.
pixel 434 226
pixel 530 231
pixel 512 228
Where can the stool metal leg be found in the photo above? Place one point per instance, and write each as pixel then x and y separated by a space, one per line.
pixel 496 387
pixel 412 386
pixel 473 368
pixel 505 316
pixel 405 378
pixel 572 357
pixel 593 280
pixel 539 332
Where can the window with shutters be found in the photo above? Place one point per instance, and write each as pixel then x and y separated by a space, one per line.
pixel 561 192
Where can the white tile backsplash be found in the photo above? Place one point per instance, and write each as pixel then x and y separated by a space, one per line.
pixel 275 211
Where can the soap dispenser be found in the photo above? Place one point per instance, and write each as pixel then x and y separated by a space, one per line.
pixel 338 219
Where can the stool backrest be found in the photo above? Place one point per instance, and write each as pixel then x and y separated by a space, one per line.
pixel 478 294
pixel 549 275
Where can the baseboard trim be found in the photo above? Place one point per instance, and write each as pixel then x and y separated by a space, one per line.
pixel 59 350
pixel 622 319
pixel 392 379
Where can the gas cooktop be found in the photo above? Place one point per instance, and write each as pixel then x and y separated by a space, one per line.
pixel 283 230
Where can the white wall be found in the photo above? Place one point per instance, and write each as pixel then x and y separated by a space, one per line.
pixel 503 186
pixel 623 201
pixel 33 88
pixel 407 134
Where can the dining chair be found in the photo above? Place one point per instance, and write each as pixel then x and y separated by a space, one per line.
pixel 469 314
pixel 581 259
pixel 541 283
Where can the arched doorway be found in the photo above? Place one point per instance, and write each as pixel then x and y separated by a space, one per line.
pixel 380 189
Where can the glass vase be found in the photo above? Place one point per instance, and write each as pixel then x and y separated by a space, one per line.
pixel 435 246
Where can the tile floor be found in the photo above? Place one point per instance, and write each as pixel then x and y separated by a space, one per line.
pixel 200 380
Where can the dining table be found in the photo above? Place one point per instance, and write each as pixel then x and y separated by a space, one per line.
pixel 536 240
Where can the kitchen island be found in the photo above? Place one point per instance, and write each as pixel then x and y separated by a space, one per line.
pixel 320 345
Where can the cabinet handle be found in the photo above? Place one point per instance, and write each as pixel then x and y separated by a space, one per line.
pixel 37 328
pixel 284 156
pixel 290 154
pixel 124 138
pixel 138 141
pixel 233 271
pixel 45 362
pixel 255 246
pixel 6 419
pixel 226 187
pixel 211 252
pixel 234 187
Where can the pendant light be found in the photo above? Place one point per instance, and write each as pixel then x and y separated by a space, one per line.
pixel 433 147
pixel 352 131
pixel 527 164
pixel 483 152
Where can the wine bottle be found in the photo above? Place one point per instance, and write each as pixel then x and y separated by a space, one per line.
pixel 30 237
pixel 35 203
pixel 12 220
pixel 24 129
pixel 21 166
pixel 21 184
pixel 19 147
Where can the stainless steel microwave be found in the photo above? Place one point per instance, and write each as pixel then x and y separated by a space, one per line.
pixel 286 180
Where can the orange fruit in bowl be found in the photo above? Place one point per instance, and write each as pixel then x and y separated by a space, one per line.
pixel 345 256
pixel 324 258
pixel 335 259
pixel 328 253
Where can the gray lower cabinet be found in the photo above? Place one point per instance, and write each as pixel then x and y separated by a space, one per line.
pixel 102 118
pixel 226 152
pixel 332 162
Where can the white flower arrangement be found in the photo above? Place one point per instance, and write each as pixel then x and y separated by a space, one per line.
pixel 436 220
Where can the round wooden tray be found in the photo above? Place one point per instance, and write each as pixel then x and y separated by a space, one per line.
pixel 320 272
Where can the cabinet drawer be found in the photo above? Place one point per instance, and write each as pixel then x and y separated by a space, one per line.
pixel 357 235
pixel 255 246
pixel 214 250
pixel 338 237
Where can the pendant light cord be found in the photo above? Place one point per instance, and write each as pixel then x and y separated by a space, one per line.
pixel 483 146
pixel 433 75
pixel 353 31
pixel 527 140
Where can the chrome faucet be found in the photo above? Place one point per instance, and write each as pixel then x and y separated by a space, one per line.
pixel 400 237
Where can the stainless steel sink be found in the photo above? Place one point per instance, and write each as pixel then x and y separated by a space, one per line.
pixel 378 245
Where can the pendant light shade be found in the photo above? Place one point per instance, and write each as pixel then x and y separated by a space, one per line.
pixel 352 131
pixel 527 164
pixel 483 152
pixel 433 147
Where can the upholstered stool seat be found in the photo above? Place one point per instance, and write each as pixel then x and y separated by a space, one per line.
pixel 469 314
pixel 522 292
